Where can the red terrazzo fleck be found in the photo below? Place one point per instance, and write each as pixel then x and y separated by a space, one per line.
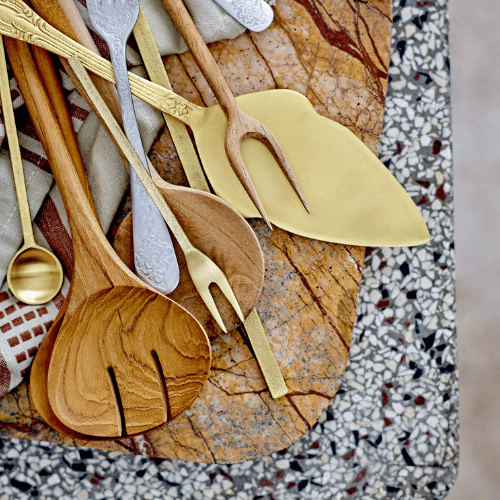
pixel 385 398
pixel 425 184
pixel 265 482
pixel 360 476
pixel 440 193
pixel 436 147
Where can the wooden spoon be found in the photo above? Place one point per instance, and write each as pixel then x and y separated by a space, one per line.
pixel 126 359
pixel 40 366
pixel 221 233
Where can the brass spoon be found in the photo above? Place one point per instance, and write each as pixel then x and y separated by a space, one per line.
pixel 35 274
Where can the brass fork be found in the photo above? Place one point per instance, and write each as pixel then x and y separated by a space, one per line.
pixel 202 269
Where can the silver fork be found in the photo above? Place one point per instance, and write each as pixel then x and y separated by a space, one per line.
pixel 154 255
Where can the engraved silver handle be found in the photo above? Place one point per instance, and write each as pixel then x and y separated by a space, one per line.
pixel 255 15
pixel 154 255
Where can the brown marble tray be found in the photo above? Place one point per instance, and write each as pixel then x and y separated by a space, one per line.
pixel 337 54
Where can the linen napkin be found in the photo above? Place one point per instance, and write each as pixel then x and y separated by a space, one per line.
pixel 23 327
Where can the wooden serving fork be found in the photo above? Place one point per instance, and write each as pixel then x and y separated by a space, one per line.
pixel 240 126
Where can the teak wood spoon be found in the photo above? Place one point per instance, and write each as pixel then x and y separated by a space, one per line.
pixel 126 359
pixel 40 366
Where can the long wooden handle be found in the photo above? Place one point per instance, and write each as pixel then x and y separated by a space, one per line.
pixel 182 20
pixel 46 124
pixel 54 91
pixel 64 15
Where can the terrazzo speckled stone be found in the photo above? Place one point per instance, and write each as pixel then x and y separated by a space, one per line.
pixel 391 430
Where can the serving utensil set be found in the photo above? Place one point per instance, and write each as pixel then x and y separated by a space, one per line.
pixel 122 359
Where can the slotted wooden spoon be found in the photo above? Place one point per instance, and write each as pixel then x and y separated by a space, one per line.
pixel 126 359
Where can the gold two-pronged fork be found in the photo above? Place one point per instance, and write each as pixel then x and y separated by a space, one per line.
pixel 202 269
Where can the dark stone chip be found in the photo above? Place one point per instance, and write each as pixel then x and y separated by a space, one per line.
pixel 20 485
pixel 302 484
pixel 429 341
pixel 392 489
pixel 407 457
pixel 84 454
pixel 401 46
pixel 404 268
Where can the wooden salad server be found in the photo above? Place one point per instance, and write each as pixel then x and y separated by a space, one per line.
pixel 47 72
pixel 241 256
pixel 126 359
pixel 353 197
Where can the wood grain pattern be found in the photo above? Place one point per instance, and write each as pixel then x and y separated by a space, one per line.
pixel 239 126
pixel 337 54
pixel 105 294
pixel 158 358
pixel 220 232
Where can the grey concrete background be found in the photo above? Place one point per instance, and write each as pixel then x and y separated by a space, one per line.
pixel 475 83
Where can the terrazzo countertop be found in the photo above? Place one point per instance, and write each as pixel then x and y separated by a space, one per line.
pixel 391 430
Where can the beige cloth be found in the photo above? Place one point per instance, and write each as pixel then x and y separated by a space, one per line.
pixel 22 328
